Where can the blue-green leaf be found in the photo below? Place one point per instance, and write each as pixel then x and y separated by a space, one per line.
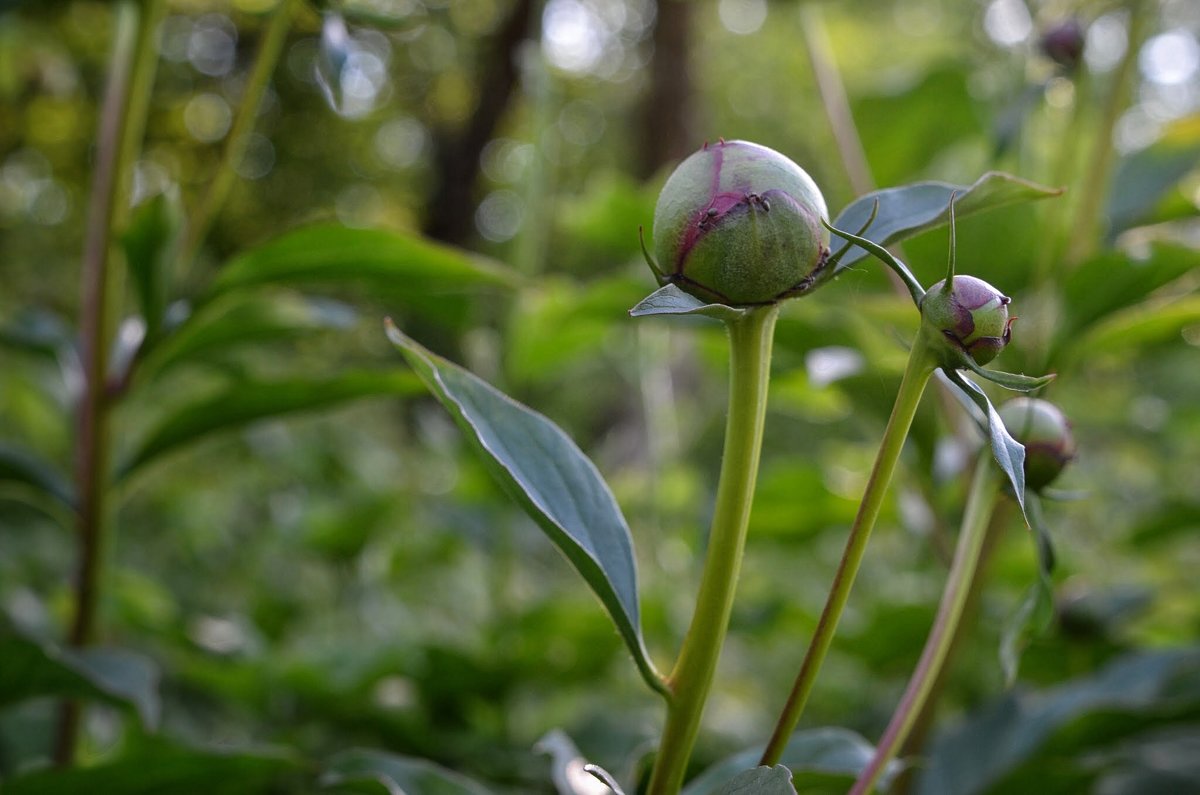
pixel 1008 453
pixel 395 775
pixel 760 781
pixel 149 245
pixel 910 209
pixel 245 402
pixel 812 753
pixel 21 466
pixel 548 475
pixel 670 300
pixel 33 669
pixel 424 277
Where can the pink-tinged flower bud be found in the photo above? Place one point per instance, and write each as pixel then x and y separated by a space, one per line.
pixel 739 224
pixel 1063 43
pixel 972 316
pixel 1046 434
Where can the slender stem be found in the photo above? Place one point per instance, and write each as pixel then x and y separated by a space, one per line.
pixel 750 339
pixel 92 441
pixel 1094 191
pixel 833 98
pixel 239 133
pixel 916 376
pixel 985 489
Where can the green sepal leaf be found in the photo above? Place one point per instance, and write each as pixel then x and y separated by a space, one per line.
pixel 670 300
pixel 366 770
pixel 551 479
pixel 21 466
pixel 761 781
pixel 1017 382
pixel 910 281
pixel 149 244
pixel 426 278
pixel 911 209
pixel 163 768
pixel 816 754
pixel 1008 453
pixel 245 402
pixel 30 668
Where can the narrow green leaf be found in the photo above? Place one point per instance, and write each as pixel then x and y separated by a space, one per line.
pixel 424 277
pixel 761 781
pixel 910 281
pixel 1144 177
pixel 249 401
pixel 169 769
pixel 811 753
pixel 1036 610
pixel 670 300
pixel 1014 381
pixel 556 484
pixel 33 669
pixel 38 331
pixel 1143 324
pixel 149 245
pixel 395 774
pixel 245 319
pixel 21 466
pixel 1008 453
pixel 910 209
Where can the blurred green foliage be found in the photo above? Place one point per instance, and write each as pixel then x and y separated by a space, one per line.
pixel 351 577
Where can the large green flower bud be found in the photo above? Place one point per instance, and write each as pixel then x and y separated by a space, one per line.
pixel 972 316
pixel 1046 434
pixel 739 224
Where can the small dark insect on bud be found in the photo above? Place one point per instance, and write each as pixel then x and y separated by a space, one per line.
pixel 1046 434
pixel 972 316
pixel 1063 43
pixel 739 224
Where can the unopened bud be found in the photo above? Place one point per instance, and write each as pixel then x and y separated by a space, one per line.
pixel 1045 432
pixel 972 316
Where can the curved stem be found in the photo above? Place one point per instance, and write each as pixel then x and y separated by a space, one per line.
pixel 239 132
pixel 985 488
pixel 916 376
pixel 750 339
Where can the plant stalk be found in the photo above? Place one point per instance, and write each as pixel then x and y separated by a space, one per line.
pixel 985 489
pixel 916 375
pixel 750 339
pixel 239 133
pixel 133 44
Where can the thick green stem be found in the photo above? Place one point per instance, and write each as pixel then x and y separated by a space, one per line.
pixel 916 376
pixel 133 46
pixel 750 339
pixel 985 488
pixel 239 133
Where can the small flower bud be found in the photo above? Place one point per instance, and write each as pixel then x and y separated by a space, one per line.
pixel 972 315
pixel 739 224
pixel 1046 434
pixel 1063 43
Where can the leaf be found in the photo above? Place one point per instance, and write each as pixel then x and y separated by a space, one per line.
pixel 761 781
pixel 33 669
pixel 557 485
pixel 395 774
pixel 40 332
pixel 1144 177
pixel 149 245
pixel 168 769
pixel 812 752
pixel 976 754
pixel 424 277
pixel 249 401
pixel 21 466
pixel 670 300
pixel 245 319
pixel 1008 453
pixel 1144 324
pixel 1017 382
pixel 911 209
pixel 1031 618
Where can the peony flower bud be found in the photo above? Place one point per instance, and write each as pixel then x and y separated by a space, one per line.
pixel 1063 43
pixel 973 316
pixel 740 224
pixel 1046 434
